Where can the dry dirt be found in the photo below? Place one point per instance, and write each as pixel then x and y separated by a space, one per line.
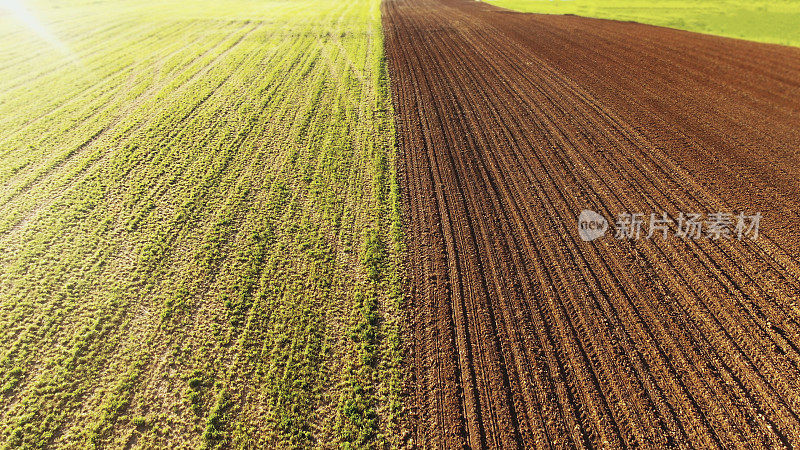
pixel 524 335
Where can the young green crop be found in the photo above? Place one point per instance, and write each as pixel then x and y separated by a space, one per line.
pixel 191 198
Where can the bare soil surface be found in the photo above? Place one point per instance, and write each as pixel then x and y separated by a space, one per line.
pixel 524 335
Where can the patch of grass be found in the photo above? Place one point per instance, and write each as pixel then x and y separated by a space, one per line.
pixel 775 22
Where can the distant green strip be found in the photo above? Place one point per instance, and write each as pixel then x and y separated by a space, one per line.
pixel 776 22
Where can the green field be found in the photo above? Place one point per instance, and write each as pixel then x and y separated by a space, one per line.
pixel 775 22
pixel 199 226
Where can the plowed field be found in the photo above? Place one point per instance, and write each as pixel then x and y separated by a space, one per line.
pixel 511 124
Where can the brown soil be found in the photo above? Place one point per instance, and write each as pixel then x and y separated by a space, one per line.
pixel 509 125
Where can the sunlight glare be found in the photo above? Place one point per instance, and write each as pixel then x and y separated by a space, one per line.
pixel 19 12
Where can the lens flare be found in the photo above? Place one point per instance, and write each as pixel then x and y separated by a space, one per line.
pixel 19 12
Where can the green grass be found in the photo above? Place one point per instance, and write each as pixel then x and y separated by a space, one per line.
pixel 200 235
pixel 776 22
